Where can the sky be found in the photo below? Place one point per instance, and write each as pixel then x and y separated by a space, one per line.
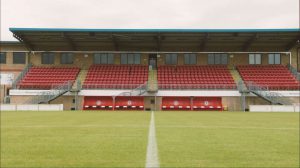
pixel 194 14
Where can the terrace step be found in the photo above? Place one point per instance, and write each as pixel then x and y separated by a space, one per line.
pixel 152 81
pixel 81 77
pixel 238 80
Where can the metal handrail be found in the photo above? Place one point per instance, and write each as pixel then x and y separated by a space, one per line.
pixel 20 76
pixel 294 71
pixel 197 86
pixel 48 95
pixel 263 91
pixel 162 86
pixel 138 91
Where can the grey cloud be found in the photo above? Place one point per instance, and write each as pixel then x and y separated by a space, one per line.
pixel 148 14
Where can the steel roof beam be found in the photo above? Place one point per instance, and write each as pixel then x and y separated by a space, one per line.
pixel 204 42
pixel 115 42
pixel 22 39
pixel 293 43
pixel 249 42
pixel 70 42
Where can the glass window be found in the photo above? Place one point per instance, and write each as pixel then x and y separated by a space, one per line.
pixel 110 59
pixel 103 58
pixel 19 58
pixel 137 59
pixel 224 59
pixel 171 59
pixel 97 59
pixel 254 58
pixel 274 58
pixel 66 58
pixel 251 59
pixel 271 59
pixel 257 58
pixel 190 59
pixel 2 58
pixel 211 59
pixel 217 59
pixel 123 58
pixel 48 58
pixel 277 58
pixel 131 58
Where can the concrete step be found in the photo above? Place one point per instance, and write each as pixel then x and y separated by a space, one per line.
pixel 81 77
pixel 237 78
pixel 152 81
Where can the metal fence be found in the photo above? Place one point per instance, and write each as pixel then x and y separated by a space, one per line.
pixel 48 95
pixel 110 86
pixel 197 86
pixel 163 86
pixel 273 97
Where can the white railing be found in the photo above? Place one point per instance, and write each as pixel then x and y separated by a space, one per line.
pixel 197 86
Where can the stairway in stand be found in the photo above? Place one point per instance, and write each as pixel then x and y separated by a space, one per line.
pixel 152 81
pixel 238 79
pixel 81 77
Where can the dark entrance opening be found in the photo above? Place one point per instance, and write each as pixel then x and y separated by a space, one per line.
pixel 153 61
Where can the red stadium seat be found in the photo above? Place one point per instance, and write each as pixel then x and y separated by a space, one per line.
pixel 116 76
pixel 274 77
pixel 195 77
pixel 47 77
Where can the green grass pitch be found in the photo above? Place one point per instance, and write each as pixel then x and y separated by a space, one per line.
pixel 119 139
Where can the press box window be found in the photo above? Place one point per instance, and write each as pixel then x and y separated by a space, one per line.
pixel 274 58
pixel 190 59
pixel 130 58
pixel 2 58
pixel 254 59
pixel 103 58
pixel 217 59
pixel 66 58
pixel 171 59
pixel 48 58
pixel 19 58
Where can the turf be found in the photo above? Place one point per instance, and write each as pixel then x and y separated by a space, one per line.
pixel 74 139
pixel 119 139
pixel 215 139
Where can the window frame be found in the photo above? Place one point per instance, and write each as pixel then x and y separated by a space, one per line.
pixel 52 54
pixel 67 58
pixel 104 58
pixel 274 58
pixel 217 58
pixel 3 57
pixel 171 56
pixel 188 60
pixel 254 58
pixel 131 59
pixel 15 54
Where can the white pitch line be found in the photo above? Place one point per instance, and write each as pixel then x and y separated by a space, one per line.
pixel 152 152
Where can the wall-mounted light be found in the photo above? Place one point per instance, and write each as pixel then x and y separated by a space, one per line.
pixel 86 55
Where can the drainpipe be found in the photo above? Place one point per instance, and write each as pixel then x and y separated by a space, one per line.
pixel 298 59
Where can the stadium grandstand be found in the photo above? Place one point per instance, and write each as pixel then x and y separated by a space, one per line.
pixel 151 69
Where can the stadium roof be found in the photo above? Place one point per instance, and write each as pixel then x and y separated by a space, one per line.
pixel 198 40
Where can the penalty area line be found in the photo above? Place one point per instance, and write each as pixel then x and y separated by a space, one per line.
pixel 152 151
